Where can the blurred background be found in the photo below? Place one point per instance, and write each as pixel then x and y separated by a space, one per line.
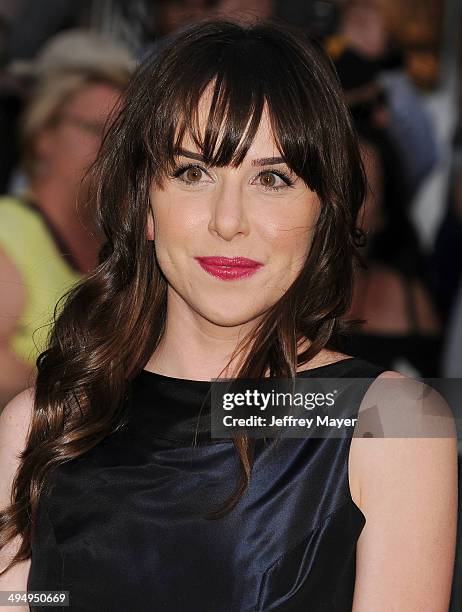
pixel 63 69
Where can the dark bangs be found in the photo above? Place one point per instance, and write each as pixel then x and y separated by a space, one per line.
pixel 246 67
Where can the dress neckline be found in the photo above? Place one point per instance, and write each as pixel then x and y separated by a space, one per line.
pixel 307 372
pixel 177 410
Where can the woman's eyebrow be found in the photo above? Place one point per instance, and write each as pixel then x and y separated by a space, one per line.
pixel 264 161
pixel 268 161
pixel 189 154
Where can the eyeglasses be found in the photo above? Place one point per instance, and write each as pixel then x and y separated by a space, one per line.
pixel 95 128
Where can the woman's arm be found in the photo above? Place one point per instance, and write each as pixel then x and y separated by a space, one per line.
pixel 408 493
pixel 14 425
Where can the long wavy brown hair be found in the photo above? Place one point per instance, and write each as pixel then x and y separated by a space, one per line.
pixel 108 325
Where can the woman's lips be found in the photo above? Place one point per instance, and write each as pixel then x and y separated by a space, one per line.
pixel 229 268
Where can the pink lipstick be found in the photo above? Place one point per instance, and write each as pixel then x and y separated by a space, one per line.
pixel 229 268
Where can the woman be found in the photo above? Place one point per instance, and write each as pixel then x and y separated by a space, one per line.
pixel 228 190
pixel 47 238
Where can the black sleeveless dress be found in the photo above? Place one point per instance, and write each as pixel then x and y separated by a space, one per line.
pixel 122 527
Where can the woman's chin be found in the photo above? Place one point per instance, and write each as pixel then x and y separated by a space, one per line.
pixel 230 314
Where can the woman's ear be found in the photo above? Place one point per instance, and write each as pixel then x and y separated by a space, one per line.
pixel 150 226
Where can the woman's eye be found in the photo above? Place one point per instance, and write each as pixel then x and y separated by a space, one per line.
pixel 268 179
pixel 274 180
pixel 193 175
pixel 190 174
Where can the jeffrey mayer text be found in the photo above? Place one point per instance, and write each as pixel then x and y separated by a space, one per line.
pixel 288 421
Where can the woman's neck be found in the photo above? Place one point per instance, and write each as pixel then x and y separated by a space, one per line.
pixel 194 348
pixel 191 353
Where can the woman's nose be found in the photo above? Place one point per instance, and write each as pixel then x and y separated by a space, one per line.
pixel 228 215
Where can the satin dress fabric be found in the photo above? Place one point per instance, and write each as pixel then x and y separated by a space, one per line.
pixel 123 527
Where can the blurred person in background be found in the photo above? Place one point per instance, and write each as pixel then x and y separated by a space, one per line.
pixel 446 257
pixel 398 243
pixel 363 33
pixel 402 330
pixel 25 26
pixel 452 354
pixel 47 236
pixel 447 268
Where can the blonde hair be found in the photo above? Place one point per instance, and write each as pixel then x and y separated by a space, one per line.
pixel 51 93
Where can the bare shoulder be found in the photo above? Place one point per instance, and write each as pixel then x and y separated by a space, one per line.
pixel 15 420
pixel 405 482
pixel 396 406
pixel 357 459
pixel 16 415
pixel 399 419
pixel 399 406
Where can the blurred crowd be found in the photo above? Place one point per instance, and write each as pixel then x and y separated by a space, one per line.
pixel 63 69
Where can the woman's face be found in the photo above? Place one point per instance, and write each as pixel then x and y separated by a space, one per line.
pixel 69 147
pixel 259 211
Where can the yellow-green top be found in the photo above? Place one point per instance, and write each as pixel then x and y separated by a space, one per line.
pixel 29 242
